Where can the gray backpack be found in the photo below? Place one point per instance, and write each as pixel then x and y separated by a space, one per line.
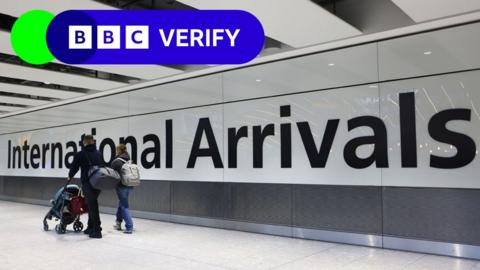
pixel 130 173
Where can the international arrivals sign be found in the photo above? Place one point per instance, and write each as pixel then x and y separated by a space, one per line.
pixel 205 144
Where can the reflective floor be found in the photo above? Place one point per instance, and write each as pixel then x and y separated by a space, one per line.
pixel 160 245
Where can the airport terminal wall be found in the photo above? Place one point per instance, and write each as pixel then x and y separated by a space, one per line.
pixel 375 144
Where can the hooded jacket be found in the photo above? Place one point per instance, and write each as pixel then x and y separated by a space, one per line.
pixel 83 160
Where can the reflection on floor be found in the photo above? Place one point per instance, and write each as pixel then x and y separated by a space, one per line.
pixel 160 245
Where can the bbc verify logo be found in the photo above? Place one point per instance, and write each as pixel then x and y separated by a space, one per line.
pixel 149 37
pixel 137 37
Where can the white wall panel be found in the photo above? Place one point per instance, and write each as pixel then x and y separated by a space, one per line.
pixel 94 109
pixel 440 51
pixel 432 95
pixel 186 93
pixel 330 69
pixel 89 110
pixel 16 126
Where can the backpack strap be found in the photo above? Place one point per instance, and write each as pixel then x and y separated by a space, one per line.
pixel 124 161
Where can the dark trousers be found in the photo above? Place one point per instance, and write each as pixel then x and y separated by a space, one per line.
pixel 91 195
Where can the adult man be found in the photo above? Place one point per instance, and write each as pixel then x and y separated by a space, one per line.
pixel 89 156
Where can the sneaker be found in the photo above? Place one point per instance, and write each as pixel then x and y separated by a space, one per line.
pixel 128 231
pixel 118 226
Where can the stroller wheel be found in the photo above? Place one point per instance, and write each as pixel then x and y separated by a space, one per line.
pixel 60 229
pixel 78 226
pixel 45 226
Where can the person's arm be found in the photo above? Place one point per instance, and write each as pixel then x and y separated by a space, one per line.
pixel 117 165
pixel 74 167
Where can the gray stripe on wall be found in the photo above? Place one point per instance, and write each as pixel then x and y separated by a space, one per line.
pixel 439 214
pixel 341 208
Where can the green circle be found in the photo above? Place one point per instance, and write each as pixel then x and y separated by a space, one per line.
pixel 29 37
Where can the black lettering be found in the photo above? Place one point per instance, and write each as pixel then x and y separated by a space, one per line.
pixel 168 143
pixel 378 139
pixel 233 137
pixel 9 153
pixel 56 147
pixel 259 136
pixel 285 139
pixel 34 156
pixel 318 159
pixel 110 143
pixel 155 150
pixel 17 152
pixel 408 130
pixel 69 155
pixel 204 126
pixel 25 149
pixel 45 148
pixel 437 128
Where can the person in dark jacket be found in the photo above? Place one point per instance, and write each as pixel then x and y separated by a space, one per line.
pixel 123 213
pixel 89 156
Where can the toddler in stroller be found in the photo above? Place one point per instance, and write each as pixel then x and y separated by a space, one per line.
pixel 67 206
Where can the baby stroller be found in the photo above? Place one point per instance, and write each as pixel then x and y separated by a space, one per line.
pixel 67 206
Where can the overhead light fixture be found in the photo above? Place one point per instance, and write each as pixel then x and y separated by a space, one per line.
pixel 258 80
pixel 427 52
pixel 331 64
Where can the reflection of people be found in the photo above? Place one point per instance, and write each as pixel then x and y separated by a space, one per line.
pixel 123 213
pixel 89 156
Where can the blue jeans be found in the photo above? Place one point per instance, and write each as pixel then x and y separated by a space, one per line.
pixel 122 212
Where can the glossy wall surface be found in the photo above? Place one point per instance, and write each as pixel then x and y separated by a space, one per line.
pixel 302 178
